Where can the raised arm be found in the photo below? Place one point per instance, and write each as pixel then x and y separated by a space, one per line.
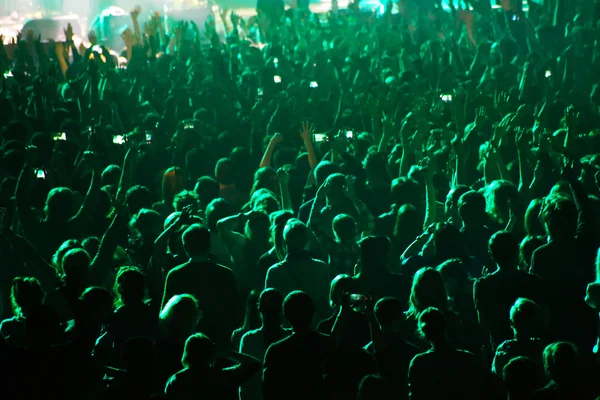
pixel 283 177
pixel 268 154
pixel 233 240
pixel 24 186
pixel 91 199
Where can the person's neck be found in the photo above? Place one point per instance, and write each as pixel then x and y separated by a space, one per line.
pixel 506 268
pixel 199 258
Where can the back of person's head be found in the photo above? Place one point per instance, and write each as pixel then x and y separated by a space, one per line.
pixel 409 223
pixel 216 211
pixel 375 387
pixel 60 204
pixel 57 257
pixel 225 172
pixel 528 246
pixel 471 207
pixel 180 316
pixel 454 273
pixel 196 240
pixel 199 351
pixel 561 362
pixel 504 249
pixel 279 220
pixel 323 170
pixel 270 304
pixel 138 197
pixel 432 324
pixel 258 228
pixel 173 182
pixel 526 318
pixel 147 223
pixel 25 293
pixel 298 309
pixel 336 186
pixel 375 165
pixel 340 286
pixel 428 290
pixel 265 178
pixel 500 195
pixel 91 245
pixel 533 225
pixel 111 175
pixel 75 265
pixel 207 189
pixel 374 254
pixel 265 201
pixel 130 285
pixel 344 227
pixel 185 198
pixel 406 191
pixel 96 303
pixel 521 377
pixel 559 216
pixel 138 355
pixel 388 311
pixel 295 235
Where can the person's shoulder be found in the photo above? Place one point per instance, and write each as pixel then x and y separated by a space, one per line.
pixel 251 335
pixel 178 269
pixel 505 346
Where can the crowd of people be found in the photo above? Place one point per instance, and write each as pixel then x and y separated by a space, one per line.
pixel 334 207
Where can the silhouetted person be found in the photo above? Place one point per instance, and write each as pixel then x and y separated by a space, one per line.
pixel 25 293
pixel 293 367
pixel 299 271
pixel 496 293
pixel 566 266
pixel 521 377
pixel 442 372
pixel 526 320
pixel 375 387
pixel 213 286
pixel 256 342
pixel 200 379
pixel 471 209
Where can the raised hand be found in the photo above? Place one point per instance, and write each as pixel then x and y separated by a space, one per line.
pixel 92 38
pixel 69 33
pixel 571 117
pixel 307 131
pixel 135 13
pixel 283 176
pixel 481 118
pixel 276 139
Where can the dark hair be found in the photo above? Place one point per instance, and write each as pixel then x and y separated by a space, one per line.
pixel 130 286
pixel 375 387
pixel 526 318
pixel 428 290
pixel 406 191
pixel 323 170
pixel 196 240
pixel 173 182
pixel 298 309
pixel 270 305
pixel 526 249
pixel 560 216
pixel 295 235
pixel 504 248
pixel 216 211
pixel 521 376
pixel 185 198
pixel 251 316
pixel 264 178
pixel 432 324
pixel 138 197
pixel 25 293
pixel 373 250
pixel 207 189
pixel 225 171
pixel 448 243
pixel 279 220
pixel 387 310
pixel 471 207
pixel 344 226
pixel 561 362
pixel 533 224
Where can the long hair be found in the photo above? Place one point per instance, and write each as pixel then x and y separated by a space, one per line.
pixel 251 316
pixel 428 290
pixel 25 293
pixel 278 221
pixel 270 304
pixel 173 182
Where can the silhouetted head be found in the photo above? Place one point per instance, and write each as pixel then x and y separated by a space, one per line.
pixel 173 182
pixel 225 172
pixel 270 304
pixel 344 227
pixel 559 216
pixel 324 170
pixel 295 236
pixel 340 286
pixel 533 225
pixel 147 223
pixel 279 220
pixel 432 325
pixel 216 211
pixel 521 378
pixel 452 198
pixel 265 178
pixel 207 190
pixel 374 254
pixel 526 249
pixel 406 191
pixel 111 175
pixel 96 303
pixel 75 266
pixel 389 311
pixel 199 351
pixel 196 240
pixel 504 249
pixel 561 362
pixel 138 355
pixel 138 197
pixel 471 208
pixel 42 327
pixel 185 198
pixel 428 290
pixel 455 275
pixel 298 309
pixel 526 319
pixel 130 285
pixel 25 293
pixel 60 204
pixel 180 316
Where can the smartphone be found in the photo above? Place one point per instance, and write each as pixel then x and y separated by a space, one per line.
pixel 260 93
pixel 277 79
pixel 446 97
pixel 515 18
pixel 8 74
pixel 40 173
pixel 97 49
pixel 187 125
pixel 349 135
pixel 119 139
pixel 148 137
pixel 548 73
pixel 320 137
pixel 60 136
pixel 276 62
pixel 314 84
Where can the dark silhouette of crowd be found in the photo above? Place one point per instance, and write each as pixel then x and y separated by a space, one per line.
pixel 374 205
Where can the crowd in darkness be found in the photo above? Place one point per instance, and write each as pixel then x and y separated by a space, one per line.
pixel 330 207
